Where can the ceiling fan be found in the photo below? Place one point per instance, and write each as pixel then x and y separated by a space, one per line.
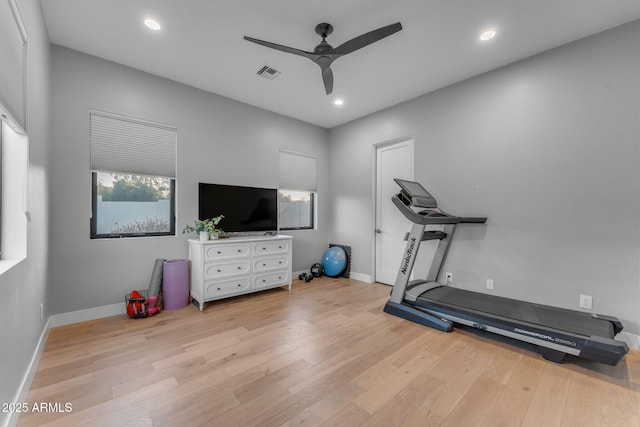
pixel 324 54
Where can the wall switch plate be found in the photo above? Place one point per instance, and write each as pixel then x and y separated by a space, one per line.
pixel 448 278
pixel 586 301
pixel 489 283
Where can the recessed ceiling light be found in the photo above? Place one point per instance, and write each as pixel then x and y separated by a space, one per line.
pixel 488 35
pixel 338 102
pixel 152 23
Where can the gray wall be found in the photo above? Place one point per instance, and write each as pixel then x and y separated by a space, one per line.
pixel 24 287
pixel 219 140
pixel 547 148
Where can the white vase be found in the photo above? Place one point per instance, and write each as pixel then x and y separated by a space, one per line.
pixel 204 236
pixel 213 236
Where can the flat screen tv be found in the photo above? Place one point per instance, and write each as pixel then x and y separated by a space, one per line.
pixel 245 209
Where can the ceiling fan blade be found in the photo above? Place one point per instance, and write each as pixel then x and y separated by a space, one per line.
pixel 282 48
pixel 327 78
pixel 366 39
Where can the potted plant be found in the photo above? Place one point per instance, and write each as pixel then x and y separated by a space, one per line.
pixel 207 228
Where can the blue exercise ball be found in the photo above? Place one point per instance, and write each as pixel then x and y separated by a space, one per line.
pixel 334 261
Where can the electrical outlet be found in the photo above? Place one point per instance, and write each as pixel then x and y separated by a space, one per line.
pixel 448 278
pixel 489 283
pixel 586 301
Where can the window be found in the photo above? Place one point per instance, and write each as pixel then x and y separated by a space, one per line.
pixel 1 196
pixel 297 209
pixel 297 194
pixel 13 51
pixel 132 177
pixel 13 140
pixel 14 161
pixel 132 205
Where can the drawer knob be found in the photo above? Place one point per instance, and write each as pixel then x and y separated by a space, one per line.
pixel 239 250
pixel 279 247
pixel 279 277
pixel 279 262
pixel 219 252
pixel 264 280
pixel 239 284
pixel 264 265
pixel 219 270
pixel 239 268
pixel 219 289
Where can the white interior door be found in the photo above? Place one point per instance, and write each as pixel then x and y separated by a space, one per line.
pixel 392 161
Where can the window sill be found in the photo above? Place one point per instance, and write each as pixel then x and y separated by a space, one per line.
pixel 298 229
pixel 8 264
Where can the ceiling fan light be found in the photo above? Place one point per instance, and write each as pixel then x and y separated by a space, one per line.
pixel 338 102
pixel 488 35
pixel 152 24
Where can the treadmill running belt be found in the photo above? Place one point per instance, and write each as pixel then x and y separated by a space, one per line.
pixel 576 322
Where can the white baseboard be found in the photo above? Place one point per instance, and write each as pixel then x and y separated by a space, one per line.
pixel 88 314
pixel 27 379
pixel 361 277
pixel 633 341
pixel 352 275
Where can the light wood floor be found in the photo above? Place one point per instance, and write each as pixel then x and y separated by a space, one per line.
pixel 322 354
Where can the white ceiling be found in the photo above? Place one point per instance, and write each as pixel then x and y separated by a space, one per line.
pixel 200 44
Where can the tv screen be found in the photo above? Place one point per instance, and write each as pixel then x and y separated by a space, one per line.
pixel 244 208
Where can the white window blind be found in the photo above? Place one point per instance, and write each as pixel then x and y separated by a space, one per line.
pixel 127 145
pixel 297 171
pixel 13 45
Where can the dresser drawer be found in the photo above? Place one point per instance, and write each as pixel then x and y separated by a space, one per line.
pixel 221 252
pixel 267 248
pixel 266 264
pixel 223 269
pixel 218 289
pixel 270 280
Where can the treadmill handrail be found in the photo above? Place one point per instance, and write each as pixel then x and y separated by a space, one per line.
pixel 403 204
pixel 473 219
pixel 417 218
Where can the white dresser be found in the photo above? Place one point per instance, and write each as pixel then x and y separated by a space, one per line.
pixel 238 265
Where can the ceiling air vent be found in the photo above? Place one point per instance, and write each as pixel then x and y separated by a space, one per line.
pixel 268 72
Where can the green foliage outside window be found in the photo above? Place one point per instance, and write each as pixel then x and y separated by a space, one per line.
pixel 134 188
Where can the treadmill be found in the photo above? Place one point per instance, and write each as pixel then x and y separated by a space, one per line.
pixel 555 331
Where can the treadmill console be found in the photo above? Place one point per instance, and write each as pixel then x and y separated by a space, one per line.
pixel 416 194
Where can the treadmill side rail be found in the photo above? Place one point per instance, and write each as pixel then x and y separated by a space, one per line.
pixel 552 343
pixel 617 324
pixel 417 288
pixel 418 316
pixel 604 350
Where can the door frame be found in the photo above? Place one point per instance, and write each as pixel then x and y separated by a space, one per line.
pixel 374 186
